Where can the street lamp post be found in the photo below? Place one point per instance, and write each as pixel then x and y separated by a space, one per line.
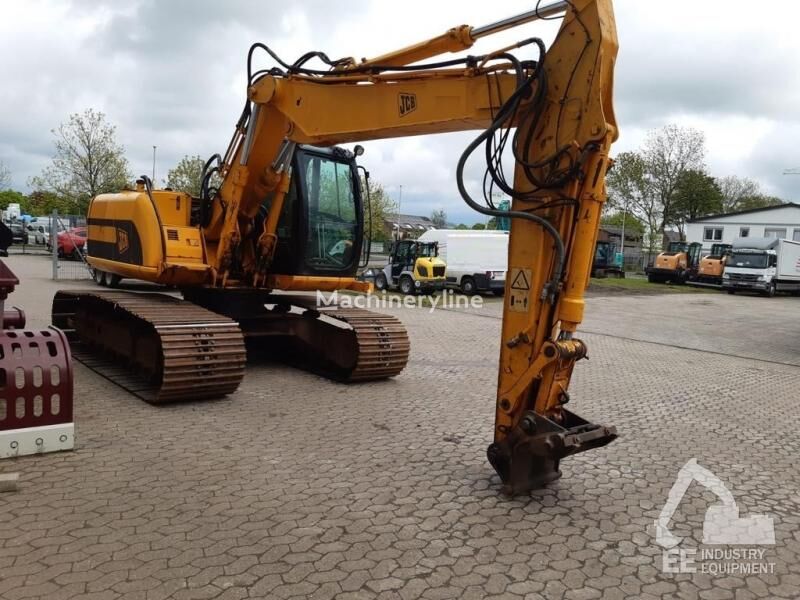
pixel 154 164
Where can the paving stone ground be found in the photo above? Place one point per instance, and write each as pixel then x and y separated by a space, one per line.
pixel 296 487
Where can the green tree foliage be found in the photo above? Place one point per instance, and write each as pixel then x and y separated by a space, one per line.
pixel 696 194
pixel 479 226
pixel 88 161
pixel 644 182
pixel 12 197
pixel 439 218
pixel 382 209
pixel 41 204
pixel 629 189
pixel 668 154
pixel 461 226
pixel 186 175
pixel 632 223
pixel 758 201
pixel 736 190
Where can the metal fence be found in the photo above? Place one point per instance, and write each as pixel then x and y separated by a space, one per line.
pixel 68 247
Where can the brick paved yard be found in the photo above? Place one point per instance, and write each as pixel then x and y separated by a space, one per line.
pixel 298 487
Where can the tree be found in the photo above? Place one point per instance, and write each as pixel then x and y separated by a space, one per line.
pixel 668 153
pixel 439 218
pixel 479 226
pixel 629 189
pixel 5 176
pixel 12 197
pixel 696 195
pixel 461 226
pixel 759 201
pixel 88 161
pixel 735 190
pixel 382 209
pixel 41 203
pixel 187 175
pixel 633 224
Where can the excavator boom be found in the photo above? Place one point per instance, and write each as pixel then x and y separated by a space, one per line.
pixel 561 106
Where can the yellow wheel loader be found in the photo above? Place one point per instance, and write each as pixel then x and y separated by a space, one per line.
pixel 413 267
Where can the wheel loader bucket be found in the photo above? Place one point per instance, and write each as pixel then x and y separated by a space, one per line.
pixel 35 383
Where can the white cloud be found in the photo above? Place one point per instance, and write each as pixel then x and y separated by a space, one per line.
pixel 173 74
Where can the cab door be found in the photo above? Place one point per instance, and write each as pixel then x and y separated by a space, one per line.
pixel 402 251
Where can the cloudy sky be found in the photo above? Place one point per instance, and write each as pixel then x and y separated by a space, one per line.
pixel 172 74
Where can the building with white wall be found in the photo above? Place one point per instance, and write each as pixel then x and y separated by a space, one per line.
pixel 782 221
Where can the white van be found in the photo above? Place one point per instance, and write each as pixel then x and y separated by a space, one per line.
pixel 476 260
pixel 39 230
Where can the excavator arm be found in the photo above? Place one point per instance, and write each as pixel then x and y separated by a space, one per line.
pixel 554 109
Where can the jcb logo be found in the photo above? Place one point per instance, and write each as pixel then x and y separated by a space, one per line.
pixel 407 103
pixel 122 241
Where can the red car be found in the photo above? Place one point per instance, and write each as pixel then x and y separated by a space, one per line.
pixel 71 242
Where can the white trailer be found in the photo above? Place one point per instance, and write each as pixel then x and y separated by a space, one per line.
pixel 766 265
pixel 476 260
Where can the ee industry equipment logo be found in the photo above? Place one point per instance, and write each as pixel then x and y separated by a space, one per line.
pixel 722 526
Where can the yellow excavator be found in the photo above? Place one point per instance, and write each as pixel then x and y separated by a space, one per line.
pixel 677 264
pixel 282 211
pixel 713 264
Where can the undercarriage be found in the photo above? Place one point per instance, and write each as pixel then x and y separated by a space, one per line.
pixel 164 349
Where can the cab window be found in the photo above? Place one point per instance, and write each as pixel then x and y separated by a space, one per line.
pixel 332 214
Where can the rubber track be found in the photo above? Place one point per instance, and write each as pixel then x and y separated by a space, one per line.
pixel 202 354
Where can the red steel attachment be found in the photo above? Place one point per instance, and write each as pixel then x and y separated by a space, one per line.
pixel 35 383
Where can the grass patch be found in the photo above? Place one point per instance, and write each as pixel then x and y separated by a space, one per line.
pixel 640 285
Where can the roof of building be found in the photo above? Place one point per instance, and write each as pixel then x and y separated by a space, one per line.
pixel 744 212
pixel 630 234
pixel 409 222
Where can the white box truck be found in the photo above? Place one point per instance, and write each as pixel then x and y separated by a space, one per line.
pixel 477 261
pixel 765 265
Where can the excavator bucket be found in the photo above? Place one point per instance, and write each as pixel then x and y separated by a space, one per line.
pixel 529 457
pixel 35 383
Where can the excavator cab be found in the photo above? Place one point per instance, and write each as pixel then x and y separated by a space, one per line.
pixel 321 227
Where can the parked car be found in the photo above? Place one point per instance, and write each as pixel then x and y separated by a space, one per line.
pixel 18 232
pixel 38 233
pixel 71 242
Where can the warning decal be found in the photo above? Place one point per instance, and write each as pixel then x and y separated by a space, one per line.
pixel 519 298
pixel 521 281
